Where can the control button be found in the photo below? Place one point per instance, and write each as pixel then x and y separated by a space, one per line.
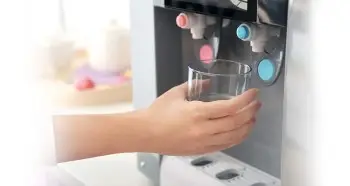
pixel 259 184
pixel 227 174
pixel 201 162
pixel 206 54
pixel 243 32
pixel 266 70
pixel 182 20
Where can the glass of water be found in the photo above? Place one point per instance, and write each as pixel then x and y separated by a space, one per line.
pixel 219 80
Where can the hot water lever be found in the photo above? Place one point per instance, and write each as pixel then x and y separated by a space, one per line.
pixel 196 23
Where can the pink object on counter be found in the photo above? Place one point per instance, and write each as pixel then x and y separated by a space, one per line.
pixel 84 84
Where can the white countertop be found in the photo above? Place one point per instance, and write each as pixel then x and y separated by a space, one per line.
pixel 112 170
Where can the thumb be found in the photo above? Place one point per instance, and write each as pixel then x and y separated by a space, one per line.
pixel 191 88
pixel 180 91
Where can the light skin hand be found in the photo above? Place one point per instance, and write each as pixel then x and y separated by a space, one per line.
pixel 170 126
pixel 180 127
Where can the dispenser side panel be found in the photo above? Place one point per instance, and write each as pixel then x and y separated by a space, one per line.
pixel 144 73
pixel 300 120
pixel 143 52
pixel 156 64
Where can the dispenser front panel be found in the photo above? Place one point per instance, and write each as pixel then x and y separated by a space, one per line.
pixel 262 149
pixel 240 5
pixel 174 48
pixel 272 12
pixel 232 9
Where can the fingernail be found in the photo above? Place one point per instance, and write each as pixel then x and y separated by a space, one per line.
pixel 259 104
pixel 253 120
pixel 255 91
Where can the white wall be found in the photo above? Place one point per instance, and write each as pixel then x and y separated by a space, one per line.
pixel 84 17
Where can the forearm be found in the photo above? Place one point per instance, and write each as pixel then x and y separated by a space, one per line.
pixel 85 136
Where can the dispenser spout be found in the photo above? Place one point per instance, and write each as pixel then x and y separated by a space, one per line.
pixel 258 35
pixel 195 22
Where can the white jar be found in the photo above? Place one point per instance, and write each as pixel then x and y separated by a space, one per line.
pixel 54 55
pixel 109 49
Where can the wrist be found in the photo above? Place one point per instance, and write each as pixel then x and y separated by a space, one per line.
pixel 138 133
pixel 147 135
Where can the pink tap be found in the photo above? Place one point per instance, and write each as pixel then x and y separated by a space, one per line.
pixel 195 22
pixel 182 20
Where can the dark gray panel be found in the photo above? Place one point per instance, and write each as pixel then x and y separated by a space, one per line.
pixel 263 148
pixel 168 50
pixel 160 56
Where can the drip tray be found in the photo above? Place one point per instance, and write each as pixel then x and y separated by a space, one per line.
pixel 230 171
pixel 201 162
pixel 259 184
pixel 227 174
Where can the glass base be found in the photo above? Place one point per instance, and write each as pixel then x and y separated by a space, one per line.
pixel 214 97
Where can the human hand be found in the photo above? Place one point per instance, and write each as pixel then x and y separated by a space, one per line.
pixel 181 127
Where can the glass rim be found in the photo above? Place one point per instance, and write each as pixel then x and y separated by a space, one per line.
pixel 220 74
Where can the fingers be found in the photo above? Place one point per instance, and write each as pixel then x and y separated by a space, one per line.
pixel 182 90
pixel 196 88
pixel 222 108
pixel 200 84
pixel 215 148
pixel 233 137
pixel 233 122
pixel 223 141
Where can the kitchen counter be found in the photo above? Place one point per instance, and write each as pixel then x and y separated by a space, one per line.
pixel 111 170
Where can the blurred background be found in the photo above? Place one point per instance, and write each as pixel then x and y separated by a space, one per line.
pixel 82 51
pixel 79 52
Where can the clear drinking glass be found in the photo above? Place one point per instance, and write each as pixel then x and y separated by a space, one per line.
pixel 221 80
